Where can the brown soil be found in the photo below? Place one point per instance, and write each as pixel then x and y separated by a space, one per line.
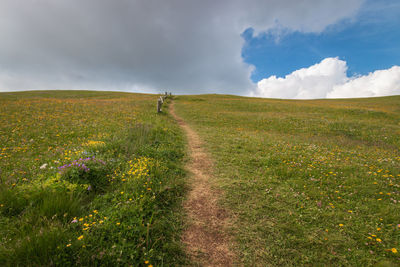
pixel 204 238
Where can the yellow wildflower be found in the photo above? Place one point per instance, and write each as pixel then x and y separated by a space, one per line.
pixel 80 237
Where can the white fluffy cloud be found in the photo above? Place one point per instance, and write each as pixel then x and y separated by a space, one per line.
pixel 187 46
pixel 328 79
pixel 377 83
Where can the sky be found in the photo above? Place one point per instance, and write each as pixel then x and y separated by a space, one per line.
pixel 264 48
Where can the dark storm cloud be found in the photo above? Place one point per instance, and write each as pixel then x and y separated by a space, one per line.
pixel 183 46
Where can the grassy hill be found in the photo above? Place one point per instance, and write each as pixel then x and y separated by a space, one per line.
pixel 308 182
pixel 88 178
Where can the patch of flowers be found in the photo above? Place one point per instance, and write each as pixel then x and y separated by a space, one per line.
pixel 80 164
pixel 92 143
pixel 90 170
pixel 139 167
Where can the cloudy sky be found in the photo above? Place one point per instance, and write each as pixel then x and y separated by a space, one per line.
pixel 267 48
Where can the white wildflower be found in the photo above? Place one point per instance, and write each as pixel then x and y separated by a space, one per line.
pixel 43 166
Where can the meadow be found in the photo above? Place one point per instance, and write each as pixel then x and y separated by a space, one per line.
pixel 89 178
pixel 312 183
pixel 97 178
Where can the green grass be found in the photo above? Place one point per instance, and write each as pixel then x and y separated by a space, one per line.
pixel 311 183
pixel 307 182
pixel 118 205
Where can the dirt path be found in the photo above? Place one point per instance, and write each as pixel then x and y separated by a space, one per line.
pixel 205 240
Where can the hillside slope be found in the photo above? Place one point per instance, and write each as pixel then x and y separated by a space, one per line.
pixel 89 179
pixel 309 182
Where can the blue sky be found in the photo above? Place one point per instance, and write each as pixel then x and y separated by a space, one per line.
pixel 368 42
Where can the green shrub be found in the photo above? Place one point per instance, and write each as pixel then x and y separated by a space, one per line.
pixel 92 171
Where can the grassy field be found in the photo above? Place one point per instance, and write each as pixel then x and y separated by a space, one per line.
pixel 89 178
pixel 310 183
pixel 96 178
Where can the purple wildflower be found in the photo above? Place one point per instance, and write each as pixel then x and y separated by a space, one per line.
pixel 79 163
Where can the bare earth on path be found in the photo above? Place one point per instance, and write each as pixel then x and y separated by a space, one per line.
pixel 204 239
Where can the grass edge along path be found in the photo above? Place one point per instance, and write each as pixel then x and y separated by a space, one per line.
pixel 205 240
pixel 311 183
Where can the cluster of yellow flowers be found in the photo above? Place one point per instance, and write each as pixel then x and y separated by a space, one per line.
pixel 71 154
pixel 87 223
pixel 93 143
pixel 3 153
pixel 139 168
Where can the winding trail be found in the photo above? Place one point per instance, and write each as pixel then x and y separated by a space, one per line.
pixel 205 241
